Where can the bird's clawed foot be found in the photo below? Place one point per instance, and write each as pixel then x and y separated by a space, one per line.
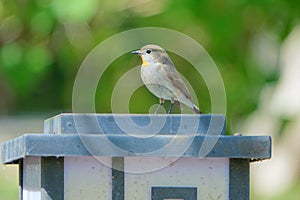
pixel 161 102
pixel 171 108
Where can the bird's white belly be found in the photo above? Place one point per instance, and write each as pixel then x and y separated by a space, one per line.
pixel 156 82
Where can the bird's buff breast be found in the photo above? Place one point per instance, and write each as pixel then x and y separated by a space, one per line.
pixel 154 80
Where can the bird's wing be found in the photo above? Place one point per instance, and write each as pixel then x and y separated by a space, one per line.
pixel 175 79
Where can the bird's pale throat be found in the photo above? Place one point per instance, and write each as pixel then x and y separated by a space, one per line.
pixel 144 62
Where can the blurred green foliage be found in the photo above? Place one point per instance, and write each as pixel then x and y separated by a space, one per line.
pixel 9 183
pixel 44 42
pixel 292 193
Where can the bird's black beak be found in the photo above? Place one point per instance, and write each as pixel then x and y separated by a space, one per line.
pixel 136 52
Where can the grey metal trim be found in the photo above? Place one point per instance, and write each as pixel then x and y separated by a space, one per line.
pixel 239 179
pixel 52 178
pixel 118 187
pixel 248 147
pixel 186 193
pixel 74 123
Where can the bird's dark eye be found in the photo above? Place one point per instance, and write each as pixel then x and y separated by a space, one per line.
pixel 148 51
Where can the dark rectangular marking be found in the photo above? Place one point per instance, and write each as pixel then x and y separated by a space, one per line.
pixel 118 178
pixel 52 178
pixel 239 179
pixel 163 193
pixel 21 179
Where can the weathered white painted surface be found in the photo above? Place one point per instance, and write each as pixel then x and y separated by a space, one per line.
pixel 87 178
pixel 31 178
pixel 209 175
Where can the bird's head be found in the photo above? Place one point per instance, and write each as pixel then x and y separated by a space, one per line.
pixel 153 54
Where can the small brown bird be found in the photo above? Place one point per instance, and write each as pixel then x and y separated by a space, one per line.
pixel 162 79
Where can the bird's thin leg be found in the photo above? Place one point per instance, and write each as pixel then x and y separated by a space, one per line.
pixel 161 102
pixel 171 107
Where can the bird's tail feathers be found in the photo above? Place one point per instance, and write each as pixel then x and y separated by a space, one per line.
pixel 196 110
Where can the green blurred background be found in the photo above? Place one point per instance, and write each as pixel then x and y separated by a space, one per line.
pixel 43 43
